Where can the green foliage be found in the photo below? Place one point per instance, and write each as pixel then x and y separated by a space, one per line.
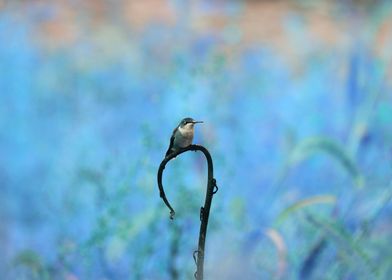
pixel 33 262
pixel 87 119
pixel 304 203
pixel 350 248
pixel 313 145
pixel 238 211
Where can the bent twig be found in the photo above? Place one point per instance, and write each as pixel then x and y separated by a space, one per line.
pixel 204 211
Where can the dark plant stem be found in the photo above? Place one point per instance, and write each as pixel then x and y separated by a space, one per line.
pixel 310 262
pixel 204 211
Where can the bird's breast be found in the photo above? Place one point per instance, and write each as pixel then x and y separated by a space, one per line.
pixel 187 133
pixel 184 137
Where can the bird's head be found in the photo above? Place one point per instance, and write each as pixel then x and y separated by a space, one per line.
pixel 188 123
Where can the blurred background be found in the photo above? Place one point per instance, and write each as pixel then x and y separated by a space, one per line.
pixel 297 108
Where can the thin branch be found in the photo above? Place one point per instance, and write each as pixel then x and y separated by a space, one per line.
pixel 204 211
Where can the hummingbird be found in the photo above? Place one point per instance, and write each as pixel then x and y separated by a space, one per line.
pixel 182 135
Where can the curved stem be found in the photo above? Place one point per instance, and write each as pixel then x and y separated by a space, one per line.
pixel 204 211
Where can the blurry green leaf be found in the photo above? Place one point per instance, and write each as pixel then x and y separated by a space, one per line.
pixel 237 210
pixel 192 199
pixel 115 248
pixel 319 199
pixel 318 144
pixel 90 175
pixel 122 230
pixel 99 235
pixel 128 230
pixel 385 267
pixel 32 261
pixel 345 241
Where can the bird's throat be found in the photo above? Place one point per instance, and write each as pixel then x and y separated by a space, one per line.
pixel 186 132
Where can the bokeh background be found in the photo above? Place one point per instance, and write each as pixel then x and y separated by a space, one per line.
pixel 297 102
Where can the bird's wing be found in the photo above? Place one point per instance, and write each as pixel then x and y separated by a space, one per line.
pixel 171 142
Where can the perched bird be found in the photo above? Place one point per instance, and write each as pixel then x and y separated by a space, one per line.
pixel 182 135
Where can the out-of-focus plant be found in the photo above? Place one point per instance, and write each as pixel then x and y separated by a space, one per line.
pixel 89 90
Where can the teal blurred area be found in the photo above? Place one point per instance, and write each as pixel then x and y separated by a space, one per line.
pixel 296 100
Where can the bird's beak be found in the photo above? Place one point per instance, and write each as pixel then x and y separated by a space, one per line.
pixel 197 121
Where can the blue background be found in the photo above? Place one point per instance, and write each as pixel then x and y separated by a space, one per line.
pixel 297 108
